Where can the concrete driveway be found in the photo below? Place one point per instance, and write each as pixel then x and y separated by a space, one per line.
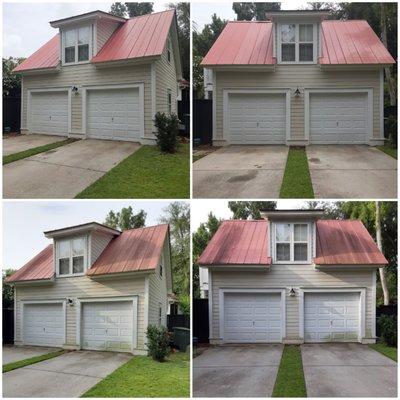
pixel 347 370
pixel 236 371
pixel 240 172
pixel 16 353
pixel 352 171
pixel 69 375
pixel 65 171
pixel 16 143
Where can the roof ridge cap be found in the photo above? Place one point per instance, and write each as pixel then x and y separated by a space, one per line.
pixel 146 15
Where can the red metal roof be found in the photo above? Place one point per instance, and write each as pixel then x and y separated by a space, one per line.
pixel 142 36
pixel 46 57
pixel 346 242
pixel 133 250
pixel 238 242
pixel 40 267
pixel 352 42
pixel 242 43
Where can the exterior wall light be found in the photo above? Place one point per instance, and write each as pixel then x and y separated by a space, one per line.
pixel 297 92
pixel 70 302
pixel 75 90
pixel 292 292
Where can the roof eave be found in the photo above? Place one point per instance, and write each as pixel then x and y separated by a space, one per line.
pixel 39 71
pixel 32 281
pixel 85 17
pixel 357 67
pixel 347 266
pixel 125 61
pixel 112 275
pixel 237 267
pixel 241 67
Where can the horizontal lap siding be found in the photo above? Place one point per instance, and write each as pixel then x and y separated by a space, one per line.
pixel 289 276
pixel 105 29
pixel 291 76
pixel 87 74
pixel 80 287
pixel 99 242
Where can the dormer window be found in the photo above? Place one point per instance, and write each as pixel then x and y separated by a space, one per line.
pixel 296 43
pixel 77 45
pixel 292 242
pixel 71 256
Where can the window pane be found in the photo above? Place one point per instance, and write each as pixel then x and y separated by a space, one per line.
pixel 288 33
pixel 300 252
pixel 78 247
pixel 306 52
pixel 300 233
pixel 83 35
pixel 83 52
pixel 77 265
pixel 69 54
pixel 63 249
pixel 288 52
pixel 283 252
pixel 70 38
pixel 283 232
pixel 63 268
pixel 305 33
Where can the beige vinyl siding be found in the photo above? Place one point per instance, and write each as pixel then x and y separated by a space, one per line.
pixel 166 78
pixel 288 276
pixel 87 74
pixel 105 29
pixel 98 242
pixel 82 287
pixel 293 76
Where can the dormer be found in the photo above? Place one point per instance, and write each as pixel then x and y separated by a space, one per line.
pixel 76 248
pixel 297 35
pixel 293 233
pixel 82 36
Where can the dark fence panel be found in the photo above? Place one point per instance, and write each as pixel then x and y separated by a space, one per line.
pixel 8 326
pixel 385 310
pixel 200 320
pixel 184 115
pixel 178 320
pixel 202 121
pixel 12 113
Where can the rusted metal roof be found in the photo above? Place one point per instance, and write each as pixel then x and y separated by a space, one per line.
pixel 346 242
pixel 133 250
pixel 238 242
pixel 46 57
pixel 40 267
pixel 352 42
pixel 242 43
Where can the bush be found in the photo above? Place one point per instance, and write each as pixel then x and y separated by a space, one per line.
pixel 184 304
pixel 157 342
pixel 167 132
pixel 388 328
pixel 391 129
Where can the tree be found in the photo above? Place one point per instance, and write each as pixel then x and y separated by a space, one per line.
pixel 250 209
pixel 131 9
pixel 11 81
pixel 382 272
pixel 254 11
pixel 8 290
pixel 118 9
pixel 125 219
pixel 177 215
pixel 200 239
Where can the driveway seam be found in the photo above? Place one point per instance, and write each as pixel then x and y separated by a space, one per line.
pixel 64 165
pixel 62 372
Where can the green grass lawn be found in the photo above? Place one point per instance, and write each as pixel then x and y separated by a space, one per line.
pixel 36 150
pixel 145 174
pixel 290 379
pixel 32 360
pixel 386 350
pixel 143 377
pixel 388 150
pixel 296 183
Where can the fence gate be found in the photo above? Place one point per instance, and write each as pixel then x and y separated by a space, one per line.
pixel 200 320
pixel 8 326
pixel 202 121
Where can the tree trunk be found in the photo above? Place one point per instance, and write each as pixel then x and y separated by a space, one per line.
pixel 382 272
pixel 388 71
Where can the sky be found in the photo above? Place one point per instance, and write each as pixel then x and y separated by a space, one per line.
pixel 25 221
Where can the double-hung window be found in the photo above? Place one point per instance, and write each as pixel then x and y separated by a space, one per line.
pixel 292 242
pixel 297 43
pixel 77 45
pixel 71 256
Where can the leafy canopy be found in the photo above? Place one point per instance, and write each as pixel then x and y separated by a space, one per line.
pixel 125 219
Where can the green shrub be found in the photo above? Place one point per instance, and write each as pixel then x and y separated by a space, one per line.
pixel 184 304
pixel 167 132
pixel 391 129
pixel 388 329
pixel 158 342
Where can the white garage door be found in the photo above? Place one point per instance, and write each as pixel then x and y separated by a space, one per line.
pixel 331 317
pixel 114 114
pixel 43 324
pixel 256 118
pixel 252 317
pixel 339 118
pixel 107 326
pixel 48 113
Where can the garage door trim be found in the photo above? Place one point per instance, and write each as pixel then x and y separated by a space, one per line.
pixel 225 106
pixel 79 321
pixel 87 88
pixel 360 291
pixel 55 301
pixel 67 90
pixel 222 292
pixel 370 107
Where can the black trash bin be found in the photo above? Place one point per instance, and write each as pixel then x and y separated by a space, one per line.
pixel 181 337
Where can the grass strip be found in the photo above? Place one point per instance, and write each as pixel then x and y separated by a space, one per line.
pixel 390 151
pixel 386 350
pixel 33 360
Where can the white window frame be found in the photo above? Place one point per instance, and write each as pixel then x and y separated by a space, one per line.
pixel 292 242
pixel 169 101
pixel 76 62
pixel 85 257
pixel 297 43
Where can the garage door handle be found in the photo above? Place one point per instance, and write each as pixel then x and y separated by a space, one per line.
pixel 50 117
pixel 112 119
